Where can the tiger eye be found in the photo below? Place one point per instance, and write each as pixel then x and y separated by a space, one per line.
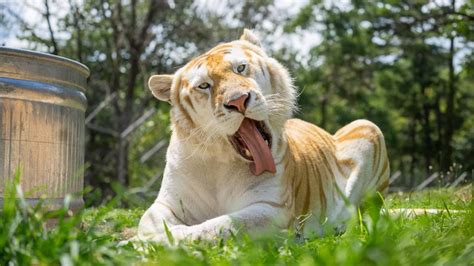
pixel 204 86
pixel 241 68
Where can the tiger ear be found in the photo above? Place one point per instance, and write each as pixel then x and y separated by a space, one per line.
pixel 250 37
pixel 160 86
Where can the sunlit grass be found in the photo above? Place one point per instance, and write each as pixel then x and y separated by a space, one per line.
pixel 91 237
pixel 454 198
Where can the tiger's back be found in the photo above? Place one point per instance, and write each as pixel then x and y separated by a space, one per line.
pixel 323 170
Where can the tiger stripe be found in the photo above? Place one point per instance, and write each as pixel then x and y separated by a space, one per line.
pixel 312 165
pixel 318 174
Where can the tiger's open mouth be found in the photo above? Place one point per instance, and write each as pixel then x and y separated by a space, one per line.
pixel 241 147
pixel 253 141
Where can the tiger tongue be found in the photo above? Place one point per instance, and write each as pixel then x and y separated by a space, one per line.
pixel 261 153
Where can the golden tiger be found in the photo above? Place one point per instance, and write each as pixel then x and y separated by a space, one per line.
pixel 237 161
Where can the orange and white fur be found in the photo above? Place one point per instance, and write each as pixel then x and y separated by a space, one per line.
pixel 212 188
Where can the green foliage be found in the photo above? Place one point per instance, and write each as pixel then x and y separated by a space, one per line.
pixel 453 198
pixel 26 236
pixel 92 236
pixel 393 62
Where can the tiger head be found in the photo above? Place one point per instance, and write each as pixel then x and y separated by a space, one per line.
pixel 234 95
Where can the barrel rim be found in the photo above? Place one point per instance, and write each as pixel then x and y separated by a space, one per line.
pixel 56 94
pixel 47 57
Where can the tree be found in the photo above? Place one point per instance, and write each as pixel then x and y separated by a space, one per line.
pixel 387 61
pixel 123 42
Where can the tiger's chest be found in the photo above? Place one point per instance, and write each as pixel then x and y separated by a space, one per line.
pixel 201 189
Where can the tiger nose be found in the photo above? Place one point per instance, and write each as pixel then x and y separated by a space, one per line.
pixel 239 103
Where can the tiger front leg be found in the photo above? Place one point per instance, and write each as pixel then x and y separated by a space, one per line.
pixel 259 216
pixel 153 222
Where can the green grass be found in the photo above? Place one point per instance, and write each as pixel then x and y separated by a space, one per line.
pixel 91 237
pixel 452 198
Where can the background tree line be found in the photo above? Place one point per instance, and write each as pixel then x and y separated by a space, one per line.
pixel 406 65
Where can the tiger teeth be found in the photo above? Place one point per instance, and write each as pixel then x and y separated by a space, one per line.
pixel 247 153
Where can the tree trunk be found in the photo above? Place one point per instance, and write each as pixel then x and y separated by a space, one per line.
pixel 324 103
pixel 427 147
pixel 439 129
pixel 122 161
pixel 448 136
pixel 47 16
pixel 76 16
pixel 414 160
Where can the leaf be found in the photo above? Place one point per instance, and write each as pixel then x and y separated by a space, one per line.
pixel 169 235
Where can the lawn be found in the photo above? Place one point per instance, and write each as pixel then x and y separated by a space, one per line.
pixel 92 237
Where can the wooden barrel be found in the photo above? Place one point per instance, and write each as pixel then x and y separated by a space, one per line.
pixel 42 106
